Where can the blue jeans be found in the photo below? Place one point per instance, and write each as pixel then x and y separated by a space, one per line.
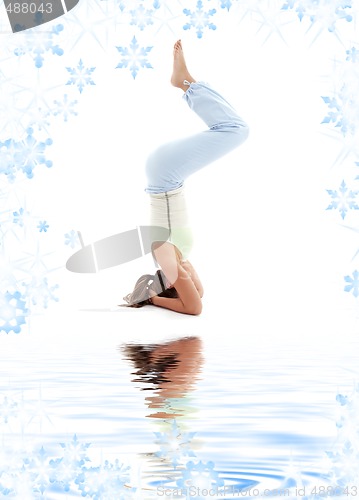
pixel 169 166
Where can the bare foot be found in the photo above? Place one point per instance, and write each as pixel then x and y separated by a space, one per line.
pixel 180 71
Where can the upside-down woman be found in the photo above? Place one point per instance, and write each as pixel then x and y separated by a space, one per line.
pixel 176 285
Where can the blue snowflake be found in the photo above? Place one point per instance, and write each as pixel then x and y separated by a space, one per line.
pixel 352 55
pixel 342 400
pixel 344 109
pixel 199 19
pixel 226 4
pixel 299 7
pixel 43 226
pixel 39 292
pixel 343 199
pixel 353 283
pixel 134 57
pixel 141 17
pixel 344 465
pixel 29 153
pixel 7 481
pixel 72 238
pixel 69 467
pixel 123 4
pixel 19 216
pixel 36 474
pixel 38 43
pixel 62 473
pixel 13 312
pixel 39 118
pixel 107 481
pixel 7 159
pixel 345 456
pixel 81 76
pixel 8 409
pixel 65 108
pixel 75 452
pixel 39 468
pixel 325 12
pixel 174 444
pixel 200 477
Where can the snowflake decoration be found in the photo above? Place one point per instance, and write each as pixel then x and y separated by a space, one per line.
pixel 345 458
pixel 7 160
pixel 8 483
pixel 343 109
pixel 36 474
pixel 65 108
pixel 174 444
pixel 104 482
pixel 123 4
pixel 8 409
pixel 299 7
pixel 38 291
pixel 38 465
pixel 20 216
pixel 39 119
pixel 134 57
pixel 200 476
pixel 226 4
pixel 8 269
pixel 348 423
pixel 38 43
pixel 343 199
pixel 67 468
pixel 325 12
pixel 81 76
pixel 75 452
pixel 12 312
pixel 72 238
pixel 63 473
pixel 342 400
pixel 43 226
pixel 345 465
pixel 352 55
pixel 353 283
pixel 29 153
pixel 199 19
pixel 141 17
pixel 343 105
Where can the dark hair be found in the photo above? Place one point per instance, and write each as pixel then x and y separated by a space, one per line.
pixel 146 283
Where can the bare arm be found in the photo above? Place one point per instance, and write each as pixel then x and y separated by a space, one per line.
pixel 194 276
pixel 189 298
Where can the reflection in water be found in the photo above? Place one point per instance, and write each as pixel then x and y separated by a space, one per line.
pixel 169 371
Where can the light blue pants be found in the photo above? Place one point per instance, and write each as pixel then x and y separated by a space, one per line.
pixel 169 166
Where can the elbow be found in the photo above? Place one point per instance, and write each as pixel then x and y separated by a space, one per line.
pixel 194 309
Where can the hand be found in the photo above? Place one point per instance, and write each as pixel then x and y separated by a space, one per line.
pixel 151 294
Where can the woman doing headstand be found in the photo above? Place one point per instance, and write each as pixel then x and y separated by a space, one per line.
pixel 177 286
